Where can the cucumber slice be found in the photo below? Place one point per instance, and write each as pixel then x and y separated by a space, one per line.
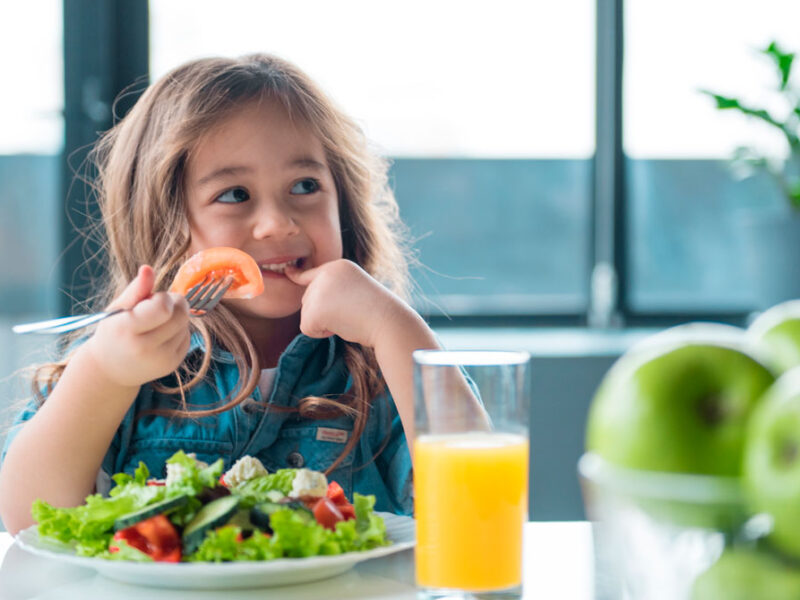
pixel 241 519
pixel 261 513
pixel 214 514
pixel 151 510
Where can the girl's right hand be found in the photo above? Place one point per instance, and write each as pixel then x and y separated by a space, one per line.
pixel 146 342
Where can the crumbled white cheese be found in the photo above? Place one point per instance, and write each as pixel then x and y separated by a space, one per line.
pixel 175 472
pixel 309 483
pixel 200 463
pixel 244 469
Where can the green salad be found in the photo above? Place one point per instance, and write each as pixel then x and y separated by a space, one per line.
pixel 199 514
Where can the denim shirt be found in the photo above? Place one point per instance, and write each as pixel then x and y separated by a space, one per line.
pixel 308 367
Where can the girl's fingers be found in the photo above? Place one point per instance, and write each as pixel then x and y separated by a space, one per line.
pixel 156 342
pixel 157 312
pixel 313 327
pixel 139 289
pixel 300 276
pixel 318 333
pixel 179 344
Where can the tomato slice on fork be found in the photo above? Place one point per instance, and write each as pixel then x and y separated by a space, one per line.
pixel 219 263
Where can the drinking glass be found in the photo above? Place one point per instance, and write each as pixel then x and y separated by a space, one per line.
pixel 470 472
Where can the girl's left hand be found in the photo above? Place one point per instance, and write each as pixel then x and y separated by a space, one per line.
pixel 343 299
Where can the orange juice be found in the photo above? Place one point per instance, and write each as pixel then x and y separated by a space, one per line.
pixel 471 500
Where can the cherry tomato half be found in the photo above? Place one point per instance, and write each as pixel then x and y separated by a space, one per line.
pixel 335 493
pixel 326 513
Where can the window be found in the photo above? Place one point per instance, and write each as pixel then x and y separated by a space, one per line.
pixel 682 236
pixel 31 141
pixel 30 146
pixel 488 116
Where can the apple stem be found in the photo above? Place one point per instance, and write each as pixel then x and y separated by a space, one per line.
pixel 711 409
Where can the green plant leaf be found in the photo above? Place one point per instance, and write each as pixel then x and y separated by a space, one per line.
pixel 746 161
pixel 793 192
pixel 783 60
pixel 723 102
pixel 727 103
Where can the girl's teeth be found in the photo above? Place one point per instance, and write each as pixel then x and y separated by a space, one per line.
pixel 280 267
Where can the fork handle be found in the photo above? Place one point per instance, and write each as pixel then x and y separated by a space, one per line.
pixel 85 322
pixel 63 324
pixel 40 325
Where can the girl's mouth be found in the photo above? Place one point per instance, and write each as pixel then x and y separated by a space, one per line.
pixel 278 269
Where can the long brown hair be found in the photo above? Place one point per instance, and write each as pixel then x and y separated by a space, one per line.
pixel 140 191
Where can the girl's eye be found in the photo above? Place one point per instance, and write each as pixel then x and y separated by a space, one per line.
pixel 233 196
pixel 305 186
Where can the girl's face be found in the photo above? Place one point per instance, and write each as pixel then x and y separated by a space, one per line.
pixel 261 183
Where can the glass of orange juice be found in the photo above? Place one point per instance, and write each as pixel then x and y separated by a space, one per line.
pixel 470 472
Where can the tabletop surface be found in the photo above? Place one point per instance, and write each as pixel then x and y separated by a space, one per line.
pixel 558 564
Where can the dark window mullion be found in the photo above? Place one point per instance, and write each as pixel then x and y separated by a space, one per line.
pixel 607 299
pixel 105 50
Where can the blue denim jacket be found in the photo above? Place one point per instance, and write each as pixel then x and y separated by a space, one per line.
pixel 279 439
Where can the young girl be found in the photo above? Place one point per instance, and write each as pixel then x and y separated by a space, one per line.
pixel 315 372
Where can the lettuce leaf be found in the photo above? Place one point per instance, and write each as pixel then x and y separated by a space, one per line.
pixel 223 545
pixel 366 531
pixel 123 480
pixel 294 536
pixel 87 526
pixel 136 487
pixel 255 490
pixel 370 527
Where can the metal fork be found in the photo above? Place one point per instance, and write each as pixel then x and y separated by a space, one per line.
pixel 202 298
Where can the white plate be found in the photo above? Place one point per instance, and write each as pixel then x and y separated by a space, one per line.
pixel 399 529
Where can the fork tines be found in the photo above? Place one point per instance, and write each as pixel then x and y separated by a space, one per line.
pixel 206 295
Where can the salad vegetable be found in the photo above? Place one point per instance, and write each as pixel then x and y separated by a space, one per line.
pixel 199 514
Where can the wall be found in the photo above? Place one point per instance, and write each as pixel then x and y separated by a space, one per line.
pixel 566 368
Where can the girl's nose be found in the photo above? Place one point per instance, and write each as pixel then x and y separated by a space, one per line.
pixel 273 220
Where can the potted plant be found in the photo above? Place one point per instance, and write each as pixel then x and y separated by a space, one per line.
pixel 771 238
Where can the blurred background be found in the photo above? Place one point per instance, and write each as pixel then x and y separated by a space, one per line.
pixel 565 179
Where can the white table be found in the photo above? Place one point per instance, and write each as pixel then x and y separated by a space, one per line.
pixel 558 565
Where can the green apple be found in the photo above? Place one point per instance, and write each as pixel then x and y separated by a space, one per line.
pixel 747 574
pixel 772 462
pixel 679 402
pixel 776 335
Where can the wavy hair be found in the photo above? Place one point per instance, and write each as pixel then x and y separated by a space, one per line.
pixel 139 189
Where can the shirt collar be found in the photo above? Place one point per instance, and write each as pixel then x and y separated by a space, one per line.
pixel 301 340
